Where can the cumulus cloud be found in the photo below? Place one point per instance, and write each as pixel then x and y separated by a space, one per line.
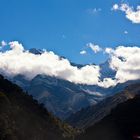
pixel 125 32
pixel 95 48
pixel 17 60
pixel 126 62
pixel 83 52
pixel 94 10
pixel 108 82
pixel 115 7
pixel 130 13
pixel 109 50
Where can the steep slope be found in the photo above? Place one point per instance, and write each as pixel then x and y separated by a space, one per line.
pixel 92 114
pixel 62 97
pixel 59 96
pixel 123 123
pixel 21 118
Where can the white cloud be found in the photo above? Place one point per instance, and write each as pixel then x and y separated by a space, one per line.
pixel 3 43
pixel 94 10
pixel 19 61
pixel 125 32
pixel 108 82
pixel 124 60
pixel 109 50
pixel 83 52
pixel 130 13
pixel 95 48
pixel 93 92
pixel 115 7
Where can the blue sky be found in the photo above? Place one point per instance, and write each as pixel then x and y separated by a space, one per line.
pixel 66 26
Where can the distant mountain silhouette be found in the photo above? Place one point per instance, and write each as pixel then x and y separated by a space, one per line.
pixel 59 96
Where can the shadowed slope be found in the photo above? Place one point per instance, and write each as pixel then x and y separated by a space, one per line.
pixel 123 123
pixel 21 118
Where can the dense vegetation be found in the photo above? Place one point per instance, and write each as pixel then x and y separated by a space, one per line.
pixel 22 118
pixel 123 123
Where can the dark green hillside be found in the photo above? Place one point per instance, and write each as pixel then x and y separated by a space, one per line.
pixel 21 118
pixel 123 123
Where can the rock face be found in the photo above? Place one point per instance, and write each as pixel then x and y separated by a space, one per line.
pixel 92 114
pixel 21 118
pixel 123 123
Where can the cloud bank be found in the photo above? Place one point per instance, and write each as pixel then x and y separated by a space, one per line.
pixel 126 62
pixel 130 13
pixel 17 60
pixel 83 52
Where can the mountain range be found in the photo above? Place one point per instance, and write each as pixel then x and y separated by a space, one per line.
pixel 62 97
pixel 88 116
pixel 115 118
pixel 48 107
